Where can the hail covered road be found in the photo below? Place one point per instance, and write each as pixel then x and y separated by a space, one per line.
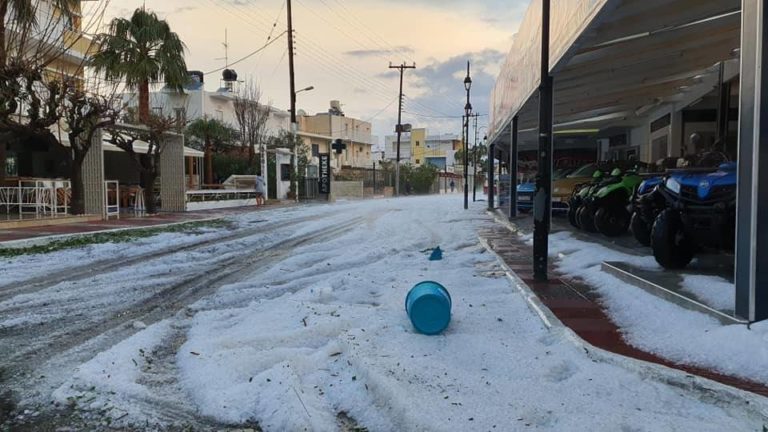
pixel 292 319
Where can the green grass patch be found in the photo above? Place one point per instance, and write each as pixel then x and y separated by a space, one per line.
pixel 122 236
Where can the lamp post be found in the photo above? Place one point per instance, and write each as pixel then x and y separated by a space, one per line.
pixel 467 114
pixel 295 137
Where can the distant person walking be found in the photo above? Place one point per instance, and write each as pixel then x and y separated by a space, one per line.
pixel 261 190
pixel 453 185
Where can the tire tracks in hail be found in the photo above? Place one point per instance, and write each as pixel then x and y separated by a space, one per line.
pixel 110 264
pixel 163 305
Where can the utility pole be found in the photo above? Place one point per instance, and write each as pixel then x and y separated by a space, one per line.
pixel 467 115
pixel 542 207
pixel 399 127
pixel 474 163
pixel 294 125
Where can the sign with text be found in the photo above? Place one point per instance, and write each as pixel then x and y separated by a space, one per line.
pixel 324 179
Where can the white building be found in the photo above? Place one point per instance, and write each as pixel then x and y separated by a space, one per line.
pixel 195 102
pixel 418 148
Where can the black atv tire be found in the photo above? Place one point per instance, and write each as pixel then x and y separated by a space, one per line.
pixel 586 219
pixel 573 207
pixel 612 221
pixel 640 229
pixel 671 247
pixel 577 217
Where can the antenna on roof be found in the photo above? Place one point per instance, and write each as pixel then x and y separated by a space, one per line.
pixel 226 50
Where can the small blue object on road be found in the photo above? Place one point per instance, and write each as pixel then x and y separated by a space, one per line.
pixel 428 305
pixel 437 254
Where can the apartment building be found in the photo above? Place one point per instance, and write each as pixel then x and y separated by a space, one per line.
pixel 419 148
pixel 320 130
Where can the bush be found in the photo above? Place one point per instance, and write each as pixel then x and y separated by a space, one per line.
pixel 225 165
pixel 420 178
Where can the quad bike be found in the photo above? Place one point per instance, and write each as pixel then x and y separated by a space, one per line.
pixel 579 193
pixel 593 199
pixel 645 206
pixel 700 212
pixel 610 205
pixel 648 201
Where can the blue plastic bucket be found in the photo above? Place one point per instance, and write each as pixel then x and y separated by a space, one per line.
pixel 428 305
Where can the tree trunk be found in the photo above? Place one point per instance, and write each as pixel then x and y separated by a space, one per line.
pixel 208 162
pixel 3 155
pixel 144 102
pixel 77 206
pixel 3 52
pixel 147 177
pixel 149 192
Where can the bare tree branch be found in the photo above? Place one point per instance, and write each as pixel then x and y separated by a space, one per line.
pixel 252 117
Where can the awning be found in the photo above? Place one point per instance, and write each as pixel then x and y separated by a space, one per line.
pixel 142 147
pixel 624 59
pixel 139 146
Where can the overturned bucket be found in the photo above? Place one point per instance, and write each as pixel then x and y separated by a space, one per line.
pixel 428 305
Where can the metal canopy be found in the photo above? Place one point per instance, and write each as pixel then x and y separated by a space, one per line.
pixel 630 57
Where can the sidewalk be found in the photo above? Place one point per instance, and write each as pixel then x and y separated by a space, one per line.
pixel 579 308
pixel 125 222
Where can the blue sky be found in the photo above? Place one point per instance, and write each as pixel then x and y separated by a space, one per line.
pixel 343 49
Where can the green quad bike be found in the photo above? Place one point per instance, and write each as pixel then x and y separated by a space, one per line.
pixel 580 192
pixel 585 213
pixel 609 204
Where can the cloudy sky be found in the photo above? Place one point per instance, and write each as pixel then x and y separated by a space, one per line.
pixel 343 49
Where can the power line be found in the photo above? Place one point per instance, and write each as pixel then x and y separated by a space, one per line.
pixel 341 68
pixel 380 111
pixel 249 55
pixel 366 30
pixel 438 117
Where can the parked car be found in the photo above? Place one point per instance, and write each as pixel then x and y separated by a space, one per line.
pixel 560 182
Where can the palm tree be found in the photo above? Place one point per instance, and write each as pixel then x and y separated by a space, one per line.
pixel 211 132
pixel 141 50
pixel 21 13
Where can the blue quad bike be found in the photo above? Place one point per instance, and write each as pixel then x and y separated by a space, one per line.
pixel 700 212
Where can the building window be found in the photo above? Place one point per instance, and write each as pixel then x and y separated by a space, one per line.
pixel 158 111
pixel 418 161
pixel 219 115
pixel 315 150
pixel 417 144
pixel 285 172
pixel 11 165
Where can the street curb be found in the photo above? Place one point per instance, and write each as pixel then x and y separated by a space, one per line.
pixel 44 240
pixel 706 389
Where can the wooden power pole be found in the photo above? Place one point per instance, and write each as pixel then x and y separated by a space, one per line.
pixel 399 127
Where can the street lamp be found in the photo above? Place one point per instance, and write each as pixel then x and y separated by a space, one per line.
pixel 305 89
pixel 294 136
pixel 467 113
